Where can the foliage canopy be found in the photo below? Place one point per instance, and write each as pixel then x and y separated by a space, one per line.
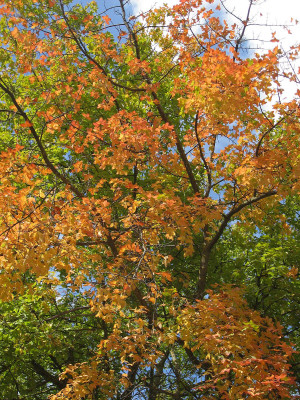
pixel 149 180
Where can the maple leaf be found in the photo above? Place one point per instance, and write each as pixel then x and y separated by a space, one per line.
pixel 106 19
pixel 26 124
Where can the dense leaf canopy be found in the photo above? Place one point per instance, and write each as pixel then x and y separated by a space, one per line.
pixel 149 181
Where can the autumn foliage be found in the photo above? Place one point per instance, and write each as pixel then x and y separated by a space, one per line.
pixel 149 180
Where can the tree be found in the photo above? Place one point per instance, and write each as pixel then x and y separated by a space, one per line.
pixel 145 168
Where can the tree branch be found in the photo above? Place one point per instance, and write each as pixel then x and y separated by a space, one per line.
pixel 207 169
pixel 245 23
pixel 38 141
pixel 209 245
pixel 40 370
pixel 267 132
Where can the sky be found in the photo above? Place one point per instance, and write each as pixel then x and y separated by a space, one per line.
pixel 276 13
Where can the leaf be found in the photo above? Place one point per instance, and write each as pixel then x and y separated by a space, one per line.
pixel 106 19
pixel 26 124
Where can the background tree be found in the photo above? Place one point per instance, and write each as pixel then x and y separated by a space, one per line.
pixel 144 161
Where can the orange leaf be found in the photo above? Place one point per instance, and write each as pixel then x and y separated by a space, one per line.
pixel 106 19
pixel 26 124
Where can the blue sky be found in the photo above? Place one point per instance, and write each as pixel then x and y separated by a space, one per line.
pixel 268 16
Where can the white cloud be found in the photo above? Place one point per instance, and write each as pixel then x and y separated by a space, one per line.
pixel 274 16
pixel 274 13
